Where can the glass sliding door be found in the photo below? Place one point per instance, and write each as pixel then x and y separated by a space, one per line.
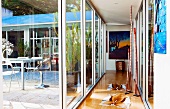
pixel 88 46
pixel 73 51
pixel 101 49
pixel 141 49
pixel 97 50
pixel 31 26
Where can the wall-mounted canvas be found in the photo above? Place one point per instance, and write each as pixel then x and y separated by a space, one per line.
pixel 119 43
pixel 160 27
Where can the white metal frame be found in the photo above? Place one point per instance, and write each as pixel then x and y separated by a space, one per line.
pixel 83 47
pixel 99 47
pixel 62 52
pixel 144 47
pixel 93 48
pixel 140 48
pixel 147 53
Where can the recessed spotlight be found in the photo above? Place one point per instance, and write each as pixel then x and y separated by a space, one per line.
pixel 115 3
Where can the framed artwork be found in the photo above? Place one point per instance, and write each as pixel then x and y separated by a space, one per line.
pixel 119 43
pixel 160 27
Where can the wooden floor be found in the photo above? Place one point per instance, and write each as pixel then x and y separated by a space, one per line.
pixel 94 99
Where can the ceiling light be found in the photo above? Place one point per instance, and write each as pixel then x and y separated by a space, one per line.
pixel 115 3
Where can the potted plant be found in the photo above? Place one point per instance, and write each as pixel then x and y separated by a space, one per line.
pixel 73 53
pixel 23 49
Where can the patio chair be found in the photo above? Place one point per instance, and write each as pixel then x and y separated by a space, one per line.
pixel 42 66
pixel 9 70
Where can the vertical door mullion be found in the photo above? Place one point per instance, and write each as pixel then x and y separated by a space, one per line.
pixel 138 54
pixel 99 47
pixel 103 48
pixel 147 53
pixel 62 52
pixel 144 47
pixel 104 45
pixel 93 47
pixel 140 43
pixel 83 48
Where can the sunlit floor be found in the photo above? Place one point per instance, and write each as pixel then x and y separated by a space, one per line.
pixel 150 99
pixel 100 91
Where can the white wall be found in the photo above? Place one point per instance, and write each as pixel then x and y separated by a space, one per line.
pixel 162 72
pixel 110 63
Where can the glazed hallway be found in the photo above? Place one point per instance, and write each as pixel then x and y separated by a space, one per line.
pixel 94 99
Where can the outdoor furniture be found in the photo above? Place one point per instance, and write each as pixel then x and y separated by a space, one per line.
pixel 22 61
pixel 8 69
pixel 42 66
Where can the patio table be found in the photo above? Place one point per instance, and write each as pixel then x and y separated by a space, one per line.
pixel 22 61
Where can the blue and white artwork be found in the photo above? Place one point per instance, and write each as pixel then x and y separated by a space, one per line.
pixel 160 27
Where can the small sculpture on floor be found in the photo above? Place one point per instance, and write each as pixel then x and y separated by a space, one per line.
pixel 120 100
pixel 115 86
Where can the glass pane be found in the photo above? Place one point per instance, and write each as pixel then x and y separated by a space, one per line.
pixel 101 49
pixel 73 51
pixel 97 47
pixel 150 52
pixel 141 50
pixel 31 26
pixel 88 46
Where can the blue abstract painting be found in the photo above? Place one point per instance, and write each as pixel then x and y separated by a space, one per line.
pixel 160 27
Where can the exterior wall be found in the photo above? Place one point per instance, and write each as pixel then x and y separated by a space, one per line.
pixel 110 63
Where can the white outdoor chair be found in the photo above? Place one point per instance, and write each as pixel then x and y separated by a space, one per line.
pixel 9 70
pixel 42 66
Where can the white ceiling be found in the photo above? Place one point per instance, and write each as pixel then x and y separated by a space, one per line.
pixel 116 12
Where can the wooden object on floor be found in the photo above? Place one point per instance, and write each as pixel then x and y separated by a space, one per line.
pixel 120 66
pixel 93 100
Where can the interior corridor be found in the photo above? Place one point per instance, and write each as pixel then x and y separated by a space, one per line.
pixel 100 91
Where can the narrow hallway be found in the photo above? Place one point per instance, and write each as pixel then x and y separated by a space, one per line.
pixel 100 91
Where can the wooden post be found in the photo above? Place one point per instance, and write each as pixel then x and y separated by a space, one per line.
pixel 136 64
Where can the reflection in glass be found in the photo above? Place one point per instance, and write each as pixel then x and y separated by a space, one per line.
pixel 141 50
pixel 73 51
pixel 101 49
pixel 97 47
pixel 88 46
pixel 150 52
pixel 31 25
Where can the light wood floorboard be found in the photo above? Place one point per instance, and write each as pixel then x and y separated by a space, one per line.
pixel 93 100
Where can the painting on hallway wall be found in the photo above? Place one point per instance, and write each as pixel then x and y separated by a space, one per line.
pixel 119 43
pixel 160 27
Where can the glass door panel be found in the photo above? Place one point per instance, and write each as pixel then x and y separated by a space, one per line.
pixel 97 70
pixel 28 25
pixel 88 47
pixel 73 51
